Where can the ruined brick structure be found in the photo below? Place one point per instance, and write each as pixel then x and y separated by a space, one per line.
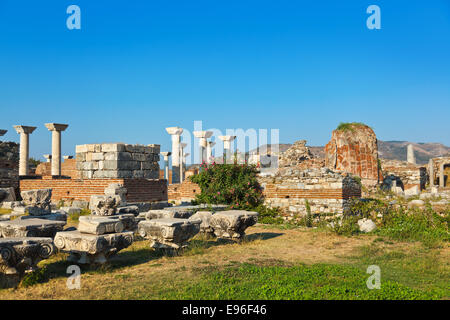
pixel 353 149
pixel 183 192
pixel 407 175
pixel 68 169
pixel 326 191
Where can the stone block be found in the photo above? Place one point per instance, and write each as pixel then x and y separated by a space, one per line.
pixel 169 233
pixel 7 194
pixel 40 198
pixel 232 224
pixel 87 248
pixel 103 205
pixel 113 147
pixel 21 255
pixel 99 225
pixel 81 149
pixel 97 156
pixel 205 226
pixel 31 227
pixel 167 214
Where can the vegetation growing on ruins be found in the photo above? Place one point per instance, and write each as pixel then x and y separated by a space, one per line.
pixel 234 185
pixel 350 126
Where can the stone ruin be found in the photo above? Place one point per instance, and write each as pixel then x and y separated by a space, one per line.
pixel 118 160
pixel 354 150
pixel 295 155
pixel 37 201
pixel 403 178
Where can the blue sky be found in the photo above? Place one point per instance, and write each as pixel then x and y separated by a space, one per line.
pixel 136 67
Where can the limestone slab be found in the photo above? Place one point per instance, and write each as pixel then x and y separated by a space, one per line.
pixel 232 224
pixel 30 228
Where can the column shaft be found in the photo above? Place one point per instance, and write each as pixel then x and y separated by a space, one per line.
pixel 24 154
pixel 56 153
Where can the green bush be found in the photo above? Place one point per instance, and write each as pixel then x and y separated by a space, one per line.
pixel 234 185
pixel 35 277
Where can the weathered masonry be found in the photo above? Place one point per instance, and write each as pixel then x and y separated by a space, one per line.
pixel 325 191
pixel 96 166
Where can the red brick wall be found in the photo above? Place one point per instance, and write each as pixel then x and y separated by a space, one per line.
pixel 272 191
pixel 184 191
pixel 139 190
pixel 68 169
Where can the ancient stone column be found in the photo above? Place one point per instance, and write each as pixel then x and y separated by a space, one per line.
pixel 175 132
pixel 166 156
pixel 209 147
pixel 203 143
pixel 182 146
pixel 410 154
pixel 431 167
pixel 48 157
pixel 24 132
pixel 227 146
pixel 2 132
pixel 56 129
pixel 441 175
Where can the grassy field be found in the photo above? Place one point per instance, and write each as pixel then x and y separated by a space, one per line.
pixel 271 263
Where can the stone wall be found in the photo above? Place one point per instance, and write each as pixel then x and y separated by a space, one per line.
pixel 326 191
pixel 407 174
pixel 138 190
pixel 117 160
pixel 354 150
pixel 9 169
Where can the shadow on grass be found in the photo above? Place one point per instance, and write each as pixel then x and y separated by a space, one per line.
pixel 262 236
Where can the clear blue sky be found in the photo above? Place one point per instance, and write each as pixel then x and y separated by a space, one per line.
pixel 136 67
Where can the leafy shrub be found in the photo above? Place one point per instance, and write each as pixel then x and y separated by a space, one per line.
pixel 234 185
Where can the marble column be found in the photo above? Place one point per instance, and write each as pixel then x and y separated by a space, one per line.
pixel 227 146
pixel 203 143
pixel 56 129
pixel 175 132
pixel 209 147
pixel 166 156
pixel 431 169
pixel 182 146
pixel 441 175
pixel 24 132
pixel 48 157
pixel 410 154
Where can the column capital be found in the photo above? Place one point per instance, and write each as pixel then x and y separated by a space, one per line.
pixel 166 153
pixel 174 131
pixel 203 134
pixel 56 126
pixel 24 129
pixel 227 138
pixel 2 132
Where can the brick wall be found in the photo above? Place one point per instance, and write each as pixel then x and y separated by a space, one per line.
pixel 139 190
pixel 68 169
pixel 183 192
pixel 409 174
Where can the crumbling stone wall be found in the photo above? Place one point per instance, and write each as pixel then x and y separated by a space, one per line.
pixel 295 155
pixel 9 169
pixel 354 150
pixel 407 175
pixel 117 160
pixel 183 192
pixel 326 191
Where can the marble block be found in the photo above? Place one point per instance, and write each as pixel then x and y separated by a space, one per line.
pixel 32 227
pixel 232 224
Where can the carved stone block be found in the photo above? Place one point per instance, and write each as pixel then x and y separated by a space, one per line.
pixel 232 224
pixel 169 233
pixel 21 255
pixel 205 226
pixel 31 227
pixel 89 248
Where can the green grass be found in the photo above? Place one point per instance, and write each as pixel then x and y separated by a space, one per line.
pixel 350 126
pixel 301 282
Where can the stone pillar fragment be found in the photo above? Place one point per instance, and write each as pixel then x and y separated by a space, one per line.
pixel 24 132
pixel 209 147
pixel 227 146
pixel 441 175
pixel 182 146
pixel 410 154
pixel 56 129
pixel 203 143
pixel 175 132
pixel 166 156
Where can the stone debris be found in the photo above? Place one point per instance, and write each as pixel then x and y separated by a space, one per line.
pixel 12 204
pixel 21 255
pixel 107 224
pixel 7 194
pixel 37 201
pixel 129 209
pixel 87 248
pixel 103 205
pixel 169 233
pixel 295 155
pixel 166 214
pixel 232 224
pixel 205 226
pixel 31 227
pixel 71 210
pixel 366 225
pixel 118 191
